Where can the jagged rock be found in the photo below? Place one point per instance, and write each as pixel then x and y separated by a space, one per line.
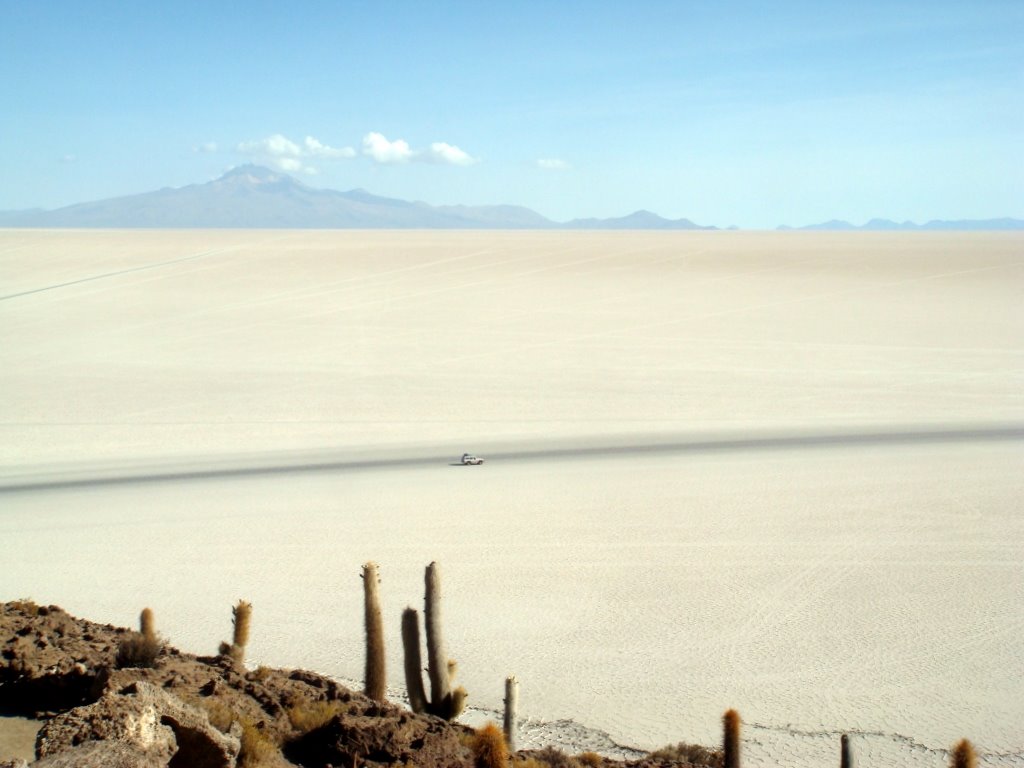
pixel 388 736
pixel 148 719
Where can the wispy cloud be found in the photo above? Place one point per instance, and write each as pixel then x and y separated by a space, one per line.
pixel 207 148
pixel 291 156
pixel 440 152
pixel 316 149
pixel 382 150
pixel 552 164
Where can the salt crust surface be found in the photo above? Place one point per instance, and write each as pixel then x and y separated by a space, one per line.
pixel 876 589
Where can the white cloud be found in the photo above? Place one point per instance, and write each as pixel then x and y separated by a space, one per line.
pixel 207 148
pixel 377 146
pixel 289 156
pixel 316 149
pixel 272 146
pixel 382 150
pixel 552 164
pixel 440 152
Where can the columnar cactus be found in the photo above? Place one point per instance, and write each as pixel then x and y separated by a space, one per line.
pixel 242 616
pixel 147 627
pixel 376 674
pixel 511 709
pixel 444 702
pixel 437 657
pixel 845 758
pixel 413 662
pixel 731 738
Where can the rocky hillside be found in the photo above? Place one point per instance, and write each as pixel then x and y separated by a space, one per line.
pixel 96 710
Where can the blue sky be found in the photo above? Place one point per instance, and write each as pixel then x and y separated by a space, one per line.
pixel 754 114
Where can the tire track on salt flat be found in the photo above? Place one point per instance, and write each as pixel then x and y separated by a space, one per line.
pixel 126 271
pixel 335 462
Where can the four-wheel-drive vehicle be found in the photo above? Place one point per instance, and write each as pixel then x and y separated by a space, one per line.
pixel 469 458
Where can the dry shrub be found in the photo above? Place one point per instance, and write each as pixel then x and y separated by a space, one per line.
pixel 26 605
pixel 554 758
pixel 528 762
pixel 137 650
pixel 690 753
pixel 261 673
pixel 257 748
pixel 221 716
pixel 308 716
pixel 590 759
pixel 489 748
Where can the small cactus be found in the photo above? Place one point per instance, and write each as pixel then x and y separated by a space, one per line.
pixel 489 749
pixel 242 618
pixel 376 674
pixel 511 708
pixel 731 738
pixel 963 755
pixel 147 626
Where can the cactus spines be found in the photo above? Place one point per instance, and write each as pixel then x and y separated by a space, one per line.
pixel 437 658
pixel 963 755
pixel 511 709
pixel 376 674
pixel 413 663
pixel 845 758
pixel 147 627
pixel 731 738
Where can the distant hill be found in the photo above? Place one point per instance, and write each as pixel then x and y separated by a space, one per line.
pixel 886 225
pixel 251 196
pixel 637 220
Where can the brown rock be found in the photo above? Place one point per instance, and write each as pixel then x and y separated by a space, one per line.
pixel 102 754
pixel 149 720
pixel 388 736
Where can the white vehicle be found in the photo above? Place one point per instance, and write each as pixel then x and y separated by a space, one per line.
pixel 469 458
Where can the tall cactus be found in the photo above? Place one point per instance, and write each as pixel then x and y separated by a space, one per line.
pixel 731 738
pixel 437 657
pixel 511 710
pixel 376 671
pixel 963 755
pixel 845 758
pixel 444 702
pixel 413 662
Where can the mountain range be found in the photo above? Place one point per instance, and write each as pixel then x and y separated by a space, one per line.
pixel 252 196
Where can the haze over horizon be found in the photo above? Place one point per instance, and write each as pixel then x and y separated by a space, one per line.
pixel 733 115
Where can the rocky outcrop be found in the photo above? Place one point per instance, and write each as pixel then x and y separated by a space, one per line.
pixel 149 720
pixel 381 736
pixel 204 711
